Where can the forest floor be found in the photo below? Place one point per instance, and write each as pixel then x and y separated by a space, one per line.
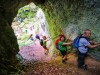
pixel 45 65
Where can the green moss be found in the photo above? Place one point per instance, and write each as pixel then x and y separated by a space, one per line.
pixel 54 24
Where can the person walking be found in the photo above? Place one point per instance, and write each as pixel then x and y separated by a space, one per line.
pixel 84 45
pixel 44 44
pixel 62 47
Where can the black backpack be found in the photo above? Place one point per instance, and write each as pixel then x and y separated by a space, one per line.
pixel 41 42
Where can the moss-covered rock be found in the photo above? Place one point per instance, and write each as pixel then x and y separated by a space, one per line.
pixel 73 17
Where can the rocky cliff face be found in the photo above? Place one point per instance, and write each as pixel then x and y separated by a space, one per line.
pixel 73 16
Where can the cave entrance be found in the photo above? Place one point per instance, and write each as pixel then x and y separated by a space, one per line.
pixel 30 20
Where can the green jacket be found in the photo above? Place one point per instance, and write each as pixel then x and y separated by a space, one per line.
pixel 61 46
pixel 44 43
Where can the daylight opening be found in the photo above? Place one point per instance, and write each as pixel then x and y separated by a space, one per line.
pixel 30 26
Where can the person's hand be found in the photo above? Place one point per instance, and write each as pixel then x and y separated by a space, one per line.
pixel 96 43
pixel 70 39
pixel 99 44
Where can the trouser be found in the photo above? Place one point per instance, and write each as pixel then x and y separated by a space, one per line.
pixel 57 47
pixel 81 59
pixel 63 53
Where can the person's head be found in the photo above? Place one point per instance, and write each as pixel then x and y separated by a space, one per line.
pixel 60 35
pixel 62 38
pixel 87 33
pixel 44 37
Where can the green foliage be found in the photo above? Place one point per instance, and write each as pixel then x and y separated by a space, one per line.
pixel 26 16
pixel 54 23
pixel 24 40
pixel 27 12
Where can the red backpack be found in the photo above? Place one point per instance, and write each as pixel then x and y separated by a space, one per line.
pixel 56 43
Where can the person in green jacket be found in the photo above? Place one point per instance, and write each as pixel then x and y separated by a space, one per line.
pixel 62 47
pixel 44 44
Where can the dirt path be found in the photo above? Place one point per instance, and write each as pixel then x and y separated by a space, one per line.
pixel 34 52
pixel 55 67
pixel 93 65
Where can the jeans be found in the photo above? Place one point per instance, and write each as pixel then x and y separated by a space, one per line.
pixel 81 59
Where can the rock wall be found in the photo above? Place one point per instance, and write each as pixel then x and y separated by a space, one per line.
pixel 73 17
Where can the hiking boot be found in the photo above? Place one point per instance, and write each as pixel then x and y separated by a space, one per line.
pixel 63 61
pixel 79 66
pixel 85 67
pixel 66 59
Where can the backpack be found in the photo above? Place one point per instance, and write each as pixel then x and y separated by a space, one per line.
pixel 38 37
pixel 76 41
pixel 56 44
pixel 41 42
